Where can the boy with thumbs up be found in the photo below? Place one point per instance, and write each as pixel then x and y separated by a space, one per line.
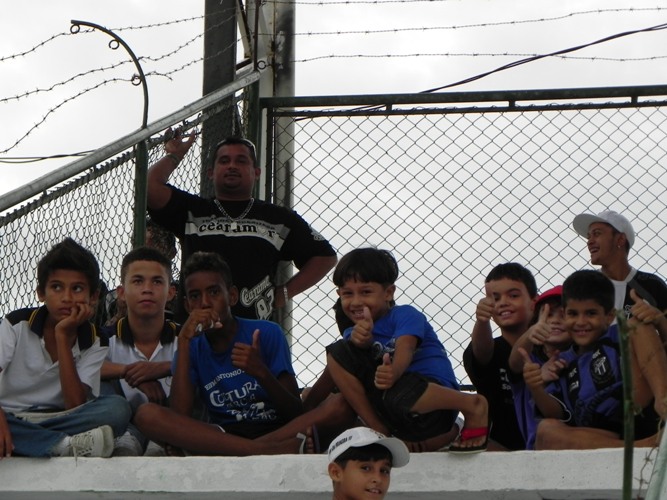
pixel 510 289
pixel 240 368
pixel 590 413
pixel 535 361
pixel 390 366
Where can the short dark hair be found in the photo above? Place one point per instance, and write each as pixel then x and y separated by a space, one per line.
pixel 145 253
pixel 207 261
pixel 366 265
pixel 588 284
pixel 369 453
pixel 515 272
pixel 235 140
pixel 68 254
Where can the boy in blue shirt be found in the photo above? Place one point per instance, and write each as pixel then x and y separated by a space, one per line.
pixel 587 411
pixel 241 369
pixel 50 361
pixel 391 367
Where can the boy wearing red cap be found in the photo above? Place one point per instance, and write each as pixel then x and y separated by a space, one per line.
pixel 534 359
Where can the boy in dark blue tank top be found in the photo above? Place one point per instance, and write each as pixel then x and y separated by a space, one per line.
pixel 586 411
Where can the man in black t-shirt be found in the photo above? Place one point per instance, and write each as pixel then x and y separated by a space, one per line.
pixel 252 236
pixel 610 236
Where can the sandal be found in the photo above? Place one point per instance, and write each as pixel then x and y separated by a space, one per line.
pixel 466 435
pixel 315 441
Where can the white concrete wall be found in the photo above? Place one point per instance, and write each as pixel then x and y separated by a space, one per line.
pixel 512 476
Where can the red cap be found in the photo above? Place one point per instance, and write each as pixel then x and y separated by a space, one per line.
pixel 556 291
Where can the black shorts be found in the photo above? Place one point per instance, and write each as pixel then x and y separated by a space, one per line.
pixel 393 405
pixel 647 422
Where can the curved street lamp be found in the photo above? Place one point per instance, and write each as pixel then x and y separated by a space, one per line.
pixel 141 151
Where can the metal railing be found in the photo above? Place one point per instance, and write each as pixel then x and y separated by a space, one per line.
pixel 452 183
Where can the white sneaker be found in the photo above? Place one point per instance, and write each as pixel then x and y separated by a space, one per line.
pixel 154 450
pixel 97 442
pixel 127 446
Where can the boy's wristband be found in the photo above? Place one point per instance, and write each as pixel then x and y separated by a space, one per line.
pixel 285 294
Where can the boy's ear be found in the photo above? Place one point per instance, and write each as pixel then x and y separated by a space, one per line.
pixel 172 292
pixel 120 291
pixel 209 173
pixel 611 316
pixel 389 292
pixel 40 294
pixel 621 240
pixel 335 472
pixel 233 295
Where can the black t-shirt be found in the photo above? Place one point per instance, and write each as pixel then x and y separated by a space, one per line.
pixel 492 381
pixel 649 287
pixel 252 246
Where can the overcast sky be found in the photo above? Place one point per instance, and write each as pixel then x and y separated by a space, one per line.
pixel 341 48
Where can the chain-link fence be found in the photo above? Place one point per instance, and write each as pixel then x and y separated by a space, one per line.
pixel 96 207
pixel 455 186
pixel 452 184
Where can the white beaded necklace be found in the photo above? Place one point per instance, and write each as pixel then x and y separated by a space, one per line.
pixel 229 217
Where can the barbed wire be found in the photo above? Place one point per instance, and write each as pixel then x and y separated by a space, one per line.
pixel 172 53
pixel 352 32
pixel 62 83
pixel 160 25
pixel 14 160
pixel 166 74
pixel 33 49
pixel 552 54
pixel 478 54
pixel 478 25
pixel 58 106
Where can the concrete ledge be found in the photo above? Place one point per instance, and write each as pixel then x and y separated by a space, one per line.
pixel 516 476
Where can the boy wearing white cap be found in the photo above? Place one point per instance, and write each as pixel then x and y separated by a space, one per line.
pixel 639 294
pixel 360 463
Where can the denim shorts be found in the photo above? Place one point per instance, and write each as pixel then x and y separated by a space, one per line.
pixel 393 405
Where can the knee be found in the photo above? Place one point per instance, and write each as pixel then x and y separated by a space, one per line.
pixel 145 415
pixel 547 433
pixel 338 407
pixel 117 412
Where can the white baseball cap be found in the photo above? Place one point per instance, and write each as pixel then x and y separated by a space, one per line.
pixel 582 222
pixel 363 436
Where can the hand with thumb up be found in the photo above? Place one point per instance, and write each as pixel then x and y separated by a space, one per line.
pixel 384 374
